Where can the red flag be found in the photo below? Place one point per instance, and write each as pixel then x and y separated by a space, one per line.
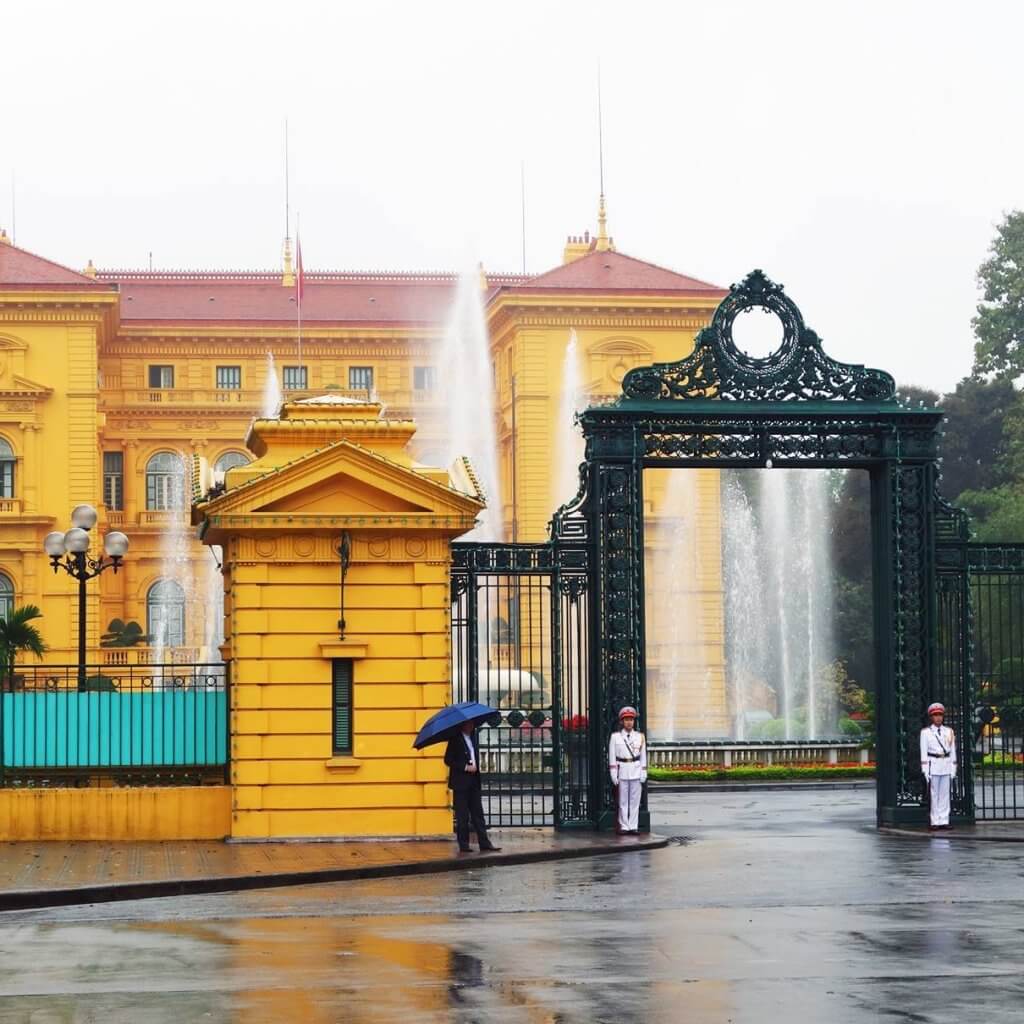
pixel 298 267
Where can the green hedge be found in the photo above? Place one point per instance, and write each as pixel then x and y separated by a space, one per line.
pixel 767 772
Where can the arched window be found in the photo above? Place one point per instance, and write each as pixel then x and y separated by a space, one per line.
pixel 6 595
pixel 165 614
pixel 229 460
pixel 6 469
pixel 165 482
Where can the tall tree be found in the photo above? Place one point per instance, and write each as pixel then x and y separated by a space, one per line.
pixel 999 325
pixel 979 440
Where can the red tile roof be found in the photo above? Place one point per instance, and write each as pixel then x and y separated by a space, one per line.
pixel 616 272
pixel 25 269
pixel 230 297
pixel 259 296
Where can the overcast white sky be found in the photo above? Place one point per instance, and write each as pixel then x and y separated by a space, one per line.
pixel 861 153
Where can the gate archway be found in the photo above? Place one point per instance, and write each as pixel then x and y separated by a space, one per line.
pixel 721 408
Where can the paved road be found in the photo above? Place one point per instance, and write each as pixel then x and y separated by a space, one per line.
pixel 780 907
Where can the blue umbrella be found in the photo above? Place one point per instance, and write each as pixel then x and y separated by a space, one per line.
pixel 449 721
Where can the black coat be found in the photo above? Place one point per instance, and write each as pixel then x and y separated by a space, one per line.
pixel 456 756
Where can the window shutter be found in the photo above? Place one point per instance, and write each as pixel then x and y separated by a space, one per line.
pixel 342 680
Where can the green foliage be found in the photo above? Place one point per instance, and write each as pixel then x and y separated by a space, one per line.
pixel 979 435
pixel 766 773
pixel 124 634
pixel 848 727
pixel 996 515
pixel 18 635
pixel 999 324
pixel 97 684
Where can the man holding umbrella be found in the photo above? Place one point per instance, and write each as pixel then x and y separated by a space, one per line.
pixel 463 760
pixel 457 724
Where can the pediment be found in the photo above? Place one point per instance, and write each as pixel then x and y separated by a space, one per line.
pixel 343 479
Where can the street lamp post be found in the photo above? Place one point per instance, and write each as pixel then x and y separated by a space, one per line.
pixel 69 551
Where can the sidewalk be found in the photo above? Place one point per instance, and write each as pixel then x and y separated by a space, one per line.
pixel 60 873
pixel 982 831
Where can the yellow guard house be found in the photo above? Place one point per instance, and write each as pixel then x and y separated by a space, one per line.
pixel 114 382
pixel 336 558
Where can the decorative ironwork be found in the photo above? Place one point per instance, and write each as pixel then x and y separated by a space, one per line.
pixel 799 370
pixel 518 624
pixel 722 408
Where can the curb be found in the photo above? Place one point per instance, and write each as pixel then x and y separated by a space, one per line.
pixel 957 833
pixel 34 899
pixel 742 787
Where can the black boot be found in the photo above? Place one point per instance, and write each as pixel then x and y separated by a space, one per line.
pixel 486 846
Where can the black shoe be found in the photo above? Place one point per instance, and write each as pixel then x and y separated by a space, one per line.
pixel 465 849
pixel 489 848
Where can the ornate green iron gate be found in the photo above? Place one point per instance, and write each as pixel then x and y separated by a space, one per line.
pixel 717 408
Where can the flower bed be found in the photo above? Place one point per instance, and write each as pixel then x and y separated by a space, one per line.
pixel 762 772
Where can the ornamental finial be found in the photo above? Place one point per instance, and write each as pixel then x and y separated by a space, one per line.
pixel 288 278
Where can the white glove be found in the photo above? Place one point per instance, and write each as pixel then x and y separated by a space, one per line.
pixel 643 776
pixel 926 772
pixel 615 778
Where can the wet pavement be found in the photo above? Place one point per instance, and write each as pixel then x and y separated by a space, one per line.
pixel 769 907
pixel 62 873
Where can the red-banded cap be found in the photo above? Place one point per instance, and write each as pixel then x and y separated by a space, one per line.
pixel 627 712
pixel 936 708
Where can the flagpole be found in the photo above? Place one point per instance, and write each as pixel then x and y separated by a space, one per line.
pixel 299 285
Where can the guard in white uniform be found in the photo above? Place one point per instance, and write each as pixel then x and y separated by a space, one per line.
pixel 627 762
pixel 938 763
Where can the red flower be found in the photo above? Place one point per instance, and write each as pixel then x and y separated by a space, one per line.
pixel 578 723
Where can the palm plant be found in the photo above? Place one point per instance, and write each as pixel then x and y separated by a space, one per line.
pixel 17 634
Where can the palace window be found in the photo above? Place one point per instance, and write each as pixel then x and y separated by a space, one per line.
pixel 229 377
pixel 229 460
pixel 113 480
pixel 341 678
pixel 161 376
pixel 360 378
pixel 165 482
pixel 6 469
pixel 293 378
pixel 165 614
pixel 424 378
pixel 6 596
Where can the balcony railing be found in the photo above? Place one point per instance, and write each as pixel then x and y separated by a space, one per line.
pixel 10 506
pixel 130 725
pixel 149 655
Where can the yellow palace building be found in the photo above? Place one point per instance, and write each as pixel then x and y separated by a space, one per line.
pixel 112 380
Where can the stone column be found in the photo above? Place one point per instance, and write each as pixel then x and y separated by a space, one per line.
pixel 30 469
pixel 130 483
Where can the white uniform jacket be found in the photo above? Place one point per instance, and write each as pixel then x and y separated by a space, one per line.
pixel 938 750
pixel 627 756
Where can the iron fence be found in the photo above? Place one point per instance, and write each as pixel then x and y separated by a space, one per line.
pixel 997 740
pixel 132 724
pixel 520 642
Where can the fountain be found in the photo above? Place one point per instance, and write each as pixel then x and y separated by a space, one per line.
pixel 779 599
pixel 569 444
pixel 175 566
pixel 271 391
pixel 466 393
pixel 746 634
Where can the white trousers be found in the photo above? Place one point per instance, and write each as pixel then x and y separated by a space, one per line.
pixel 629 804
pixel 938 805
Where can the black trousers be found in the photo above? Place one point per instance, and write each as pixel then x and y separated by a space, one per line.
pixel 469 810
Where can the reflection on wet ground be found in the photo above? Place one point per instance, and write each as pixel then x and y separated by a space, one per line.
pixel 784 907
